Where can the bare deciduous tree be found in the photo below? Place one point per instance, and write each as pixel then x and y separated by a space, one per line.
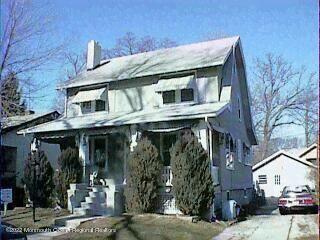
pixel 73 64
pixel 276 94
pixel 307 114
pixel 25 42
pixel 130 44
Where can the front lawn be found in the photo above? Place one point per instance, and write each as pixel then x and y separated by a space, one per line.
pixel 22 217
pixel 147 226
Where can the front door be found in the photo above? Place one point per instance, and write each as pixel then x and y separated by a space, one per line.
pixel 99 156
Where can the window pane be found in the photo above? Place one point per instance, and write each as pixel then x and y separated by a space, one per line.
pixel 100 105
pixel 187 95
pixel 86 107
pixel 168 96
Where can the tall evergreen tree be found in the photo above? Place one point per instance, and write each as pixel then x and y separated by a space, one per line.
pixel 44 179
pixel 12 103
pixel 192 181
pixel 143 178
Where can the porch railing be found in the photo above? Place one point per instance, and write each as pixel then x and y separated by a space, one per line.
pixel 166 176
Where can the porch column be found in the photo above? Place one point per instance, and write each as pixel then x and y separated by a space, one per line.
pixel 84 156
pixel 134 137
pixel 203 137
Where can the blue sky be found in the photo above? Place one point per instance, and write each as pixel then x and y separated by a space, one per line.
pixel 286 27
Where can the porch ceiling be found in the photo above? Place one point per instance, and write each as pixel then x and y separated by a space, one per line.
pixel 96 120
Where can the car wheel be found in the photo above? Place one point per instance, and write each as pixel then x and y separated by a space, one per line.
pixel 282 211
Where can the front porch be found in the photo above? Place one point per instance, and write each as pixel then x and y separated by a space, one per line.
pixel 104 155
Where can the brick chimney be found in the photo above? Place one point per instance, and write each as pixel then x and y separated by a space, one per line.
pixel 93 55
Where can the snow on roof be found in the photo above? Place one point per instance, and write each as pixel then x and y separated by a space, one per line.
pixel 278 154
pixel 103 119
pixel 181 58
pixel 305 151
pixel 15 121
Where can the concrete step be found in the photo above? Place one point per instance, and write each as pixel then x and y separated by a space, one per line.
pixel 95 199
pixel 71 221
pixel 98 189
pixel 101 195
pixel 83 211
pixel 87 205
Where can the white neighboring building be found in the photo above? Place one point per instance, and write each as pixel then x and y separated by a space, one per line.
pixel 282 169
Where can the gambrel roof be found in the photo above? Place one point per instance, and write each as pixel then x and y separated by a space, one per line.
pixel 181 58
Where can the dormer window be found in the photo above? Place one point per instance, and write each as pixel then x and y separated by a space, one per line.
pixel 91 100
pixel 177 90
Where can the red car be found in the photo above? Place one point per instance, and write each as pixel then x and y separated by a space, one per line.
pixel 297 198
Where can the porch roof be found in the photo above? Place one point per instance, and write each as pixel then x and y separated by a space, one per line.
pixel 102 119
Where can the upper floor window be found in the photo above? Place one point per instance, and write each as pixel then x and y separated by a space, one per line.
pixel 168 97
pixel 187 95
pixel 86 107
pixel 100 105
pixel 91 100
pixel 177 96
pixel 177 89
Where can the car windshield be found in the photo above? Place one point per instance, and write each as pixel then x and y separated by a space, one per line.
pixel 296 189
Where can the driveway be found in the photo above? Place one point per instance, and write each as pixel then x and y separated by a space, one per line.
pixel 269 224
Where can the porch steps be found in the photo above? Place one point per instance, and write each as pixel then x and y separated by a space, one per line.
pixel 72 221
pixel 94 205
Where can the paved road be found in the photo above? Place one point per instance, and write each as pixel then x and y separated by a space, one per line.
pixel 269 224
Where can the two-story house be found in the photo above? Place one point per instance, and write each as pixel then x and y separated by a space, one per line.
pixel 108 107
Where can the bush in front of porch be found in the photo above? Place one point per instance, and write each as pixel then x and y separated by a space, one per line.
pixel 192 181
pixel 144 168
pixel 69 171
